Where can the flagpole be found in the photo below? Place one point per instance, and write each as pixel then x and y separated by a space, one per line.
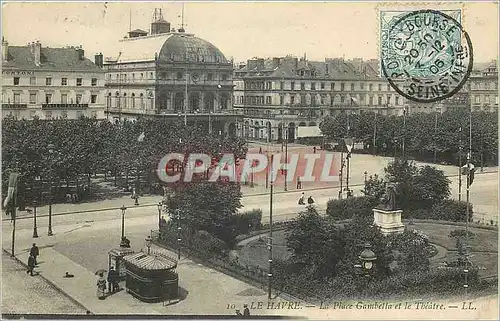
pixel 270 242
pixel 460 164
pixel 469 170
pixel 375 133
pixel 186 87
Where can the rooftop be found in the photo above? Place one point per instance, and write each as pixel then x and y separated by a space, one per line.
pixel 153 261
pixel 291 67
pixel 53 59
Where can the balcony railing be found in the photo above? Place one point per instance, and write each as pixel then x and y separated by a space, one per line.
pixel 228 112
pixel 64 106
pixel 14 106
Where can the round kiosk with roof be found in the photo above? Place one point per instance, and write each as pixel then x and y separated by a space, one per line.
pixel 151 277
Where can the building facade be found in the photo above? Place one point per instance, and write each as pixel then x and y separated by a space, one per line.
pixel 483 89
pixel 50 83
pixel 170 73
pixel 287 92
pixel 479 93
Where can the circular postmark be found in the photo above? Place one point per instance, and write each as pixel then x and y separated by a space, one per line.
pixel 426 55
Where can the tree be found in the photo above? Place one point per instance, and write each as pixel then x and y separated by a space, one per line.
pixel 315 243
pixel 417 187
pixel 206 206
pixel 411 248
pixel 374 187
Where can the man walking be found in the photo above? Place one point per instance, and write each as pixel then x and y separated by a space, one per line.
pixel 31 265
pixel 34 251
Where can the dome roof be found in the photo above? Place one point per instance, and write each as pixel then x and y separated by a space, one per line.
pixel 178 45
pixel 169 47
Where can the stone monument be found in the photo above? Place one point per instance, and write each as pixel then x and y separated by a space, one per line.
pixel 385 215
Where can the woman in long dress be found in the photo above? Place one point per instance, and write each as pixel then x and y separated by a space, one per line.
pixel 101 287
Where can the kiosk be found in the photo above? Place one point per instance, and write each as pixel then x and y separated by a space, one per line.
pixel 151 277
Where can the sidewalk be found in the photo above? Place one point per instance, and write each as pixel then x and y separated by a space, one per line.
pixel 205 291
pixel 25 294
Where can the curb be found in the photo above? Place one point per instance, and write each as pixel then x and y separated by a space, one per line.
pixel 49 282
pixel 78 212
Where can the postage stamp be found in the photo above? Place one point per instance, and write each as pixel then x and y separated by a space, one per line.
pixel 426 55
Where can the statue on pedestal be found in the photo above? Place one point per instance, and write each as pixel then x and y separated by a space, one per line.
pixel 388 199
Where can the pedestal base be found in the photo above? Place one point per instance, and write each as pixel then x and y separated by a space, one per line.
pixel 388 221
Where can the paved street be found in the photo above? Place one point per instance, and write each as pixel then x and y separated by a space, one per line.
pixel 25 294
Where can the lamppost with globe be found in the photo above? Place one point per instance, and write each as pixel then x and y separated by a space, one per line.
pixel 35 228
pixel 367 258
pixel 149 242
pixel 160 205
pixel 51 152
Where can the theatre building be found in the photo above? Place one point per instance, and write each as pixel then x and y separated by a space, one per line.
pixel 169 73
pixel 50 83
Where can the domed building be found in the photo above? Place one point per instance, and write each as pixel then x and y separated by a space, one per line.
pixel 153 73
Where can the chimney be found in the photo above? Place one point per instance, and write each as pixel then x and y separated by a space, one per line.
pixel 81 53
pixel 37 49
pixel 98 60
pixel 276 62
pixel 5 50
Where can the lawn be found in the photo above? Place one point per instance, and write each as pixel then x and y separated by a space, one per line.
pixel 483 241
pixel 484 246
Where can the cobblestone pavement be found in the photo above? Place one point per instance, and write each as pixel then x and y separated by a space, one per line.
pixel 25 294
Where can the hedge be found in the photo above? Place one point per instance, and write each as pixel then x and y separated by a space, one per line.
pixel 447 210
pixel 349 207
pixel 245 222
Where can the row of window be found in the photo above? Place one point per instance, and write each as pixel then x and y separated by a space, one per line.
pixel 49 114
pixel 484 85
pixel 260 85
pixel 49 82
pixel 49 99
pixel 486 100
pixel 163 75
pixel 302 113
pixel 323 100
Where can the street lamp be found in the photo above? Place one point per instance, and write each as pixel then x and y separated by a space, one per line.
pixel 35 230
pixel 51 152
pixel 160 205
pixel 123 208
pixel 210 122
pixel 149 241
pixel 367 258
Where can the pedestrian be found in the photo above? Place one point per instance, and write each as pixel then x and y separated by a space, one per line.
pixel 310 200
pixel 260 150
pixel 101 287
pixel 314 149
pixel 112 280
pixel 301 199
pixel 299 183
pixel 31 265
pixel 34 251
pixel 246 311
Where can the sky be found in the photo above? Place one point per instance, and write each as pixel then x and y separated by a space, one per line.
pixel 241 30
